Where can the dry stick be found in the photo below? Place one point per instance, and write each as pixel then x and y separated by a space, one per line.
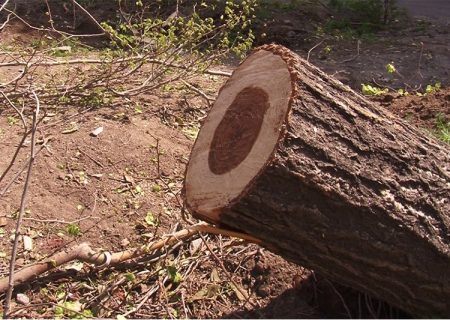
pixel 22 73
pixel 26 165
pixel 58 221
pixel 25 135
pixel 83 252
pixel 10 286
pixel 91 158
pixel 157 158
pixel 419 66
pixel 142 302
pixel 8 17
pixel 50 17
pixel 53 30
pixel 242 291
pixel 91 17
pixel 4 5
pixel 40 63
pixel 310 50
pixel 100 61
pixel 358 51
pixel 198 91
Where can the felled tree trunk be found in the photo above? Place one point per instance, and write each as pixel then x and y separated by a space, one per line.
pixel 328 180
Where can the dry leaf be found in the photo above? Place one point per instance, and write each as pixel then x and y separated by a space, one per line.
pixel 240 292
pixel 72 128
pixel 195 245
pixel 215 276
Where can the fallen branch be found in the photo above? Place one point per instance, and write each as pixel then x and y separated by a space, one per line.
pixel 83 252
pixel 40 63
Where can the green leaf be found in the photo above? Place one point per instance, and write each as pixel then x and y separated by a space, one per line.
pixel 73 229
pixel 130 276
pixel 156 188
pixel 390 68
pixel 369 90
pixel 138 189
pixel 174 276
pixel 150 219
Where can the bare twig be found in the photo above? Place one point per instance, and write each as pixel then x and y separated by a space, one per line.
pixel 83 252
pixel 230 278
pixel 25 135
pixel 198 91
pixel 358 51
pixel 419 66
pixel 141 303
pixel 91 18
pixel 22 209
pixel 92 158
pixel 53 30
pixel 57 221
pixel 310 50
pixel 25 166
pixel 41 63
pixel 4 5
pixel 8 17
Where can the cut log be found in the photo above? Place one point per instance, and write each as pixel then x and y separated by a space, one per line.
pixel 327 180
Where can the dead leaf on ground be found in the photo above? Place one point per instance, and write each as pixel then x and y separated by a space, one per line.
pixel 73 127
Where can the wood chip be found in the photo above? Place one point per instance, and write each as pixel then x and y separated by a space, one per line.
pixel 27 243
pixel 97 131
pixel 22 299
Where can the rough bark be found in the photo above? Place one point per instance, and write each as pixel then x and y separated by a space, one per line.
pixel 354 193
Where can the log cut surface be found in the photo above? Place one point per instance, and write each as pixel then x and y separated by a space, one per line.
pixel 241 133
pixel 340 185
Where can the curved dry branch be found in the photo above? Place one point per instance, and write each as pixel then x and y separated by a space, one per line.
pixel 101 259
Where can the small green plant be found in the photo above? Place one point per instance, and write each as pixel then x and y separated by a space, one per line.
pixel 97 98
pixel 72 310
pixel 156 188
pixel 403 92
pixel 73 229
pixel 327 50
pixel 390 68
pixel 151 220
pixel 443 128
pixel 356 18
pixel 433 88
pixel 12 120
pixel 369 90
pixel 174 276
pixel 138 190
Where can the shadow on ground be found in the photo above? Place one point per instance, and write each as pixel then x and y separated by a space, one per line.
pixel 317 297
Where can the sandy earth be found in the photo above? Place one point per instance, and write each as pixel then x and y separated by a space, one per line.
pixel 109 184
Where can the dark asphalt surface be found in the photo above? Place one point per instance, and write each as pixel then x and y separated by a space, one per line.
pixel 432 9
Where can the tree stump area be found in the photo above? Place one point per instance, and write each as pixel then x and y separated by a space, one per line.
pixel 328 180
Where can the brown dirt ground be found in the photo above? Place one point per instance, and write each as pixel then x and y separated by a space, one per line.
pixel 108 184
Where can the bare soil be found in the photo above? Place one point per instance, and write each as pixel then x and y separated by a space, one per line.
pixel 108 184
